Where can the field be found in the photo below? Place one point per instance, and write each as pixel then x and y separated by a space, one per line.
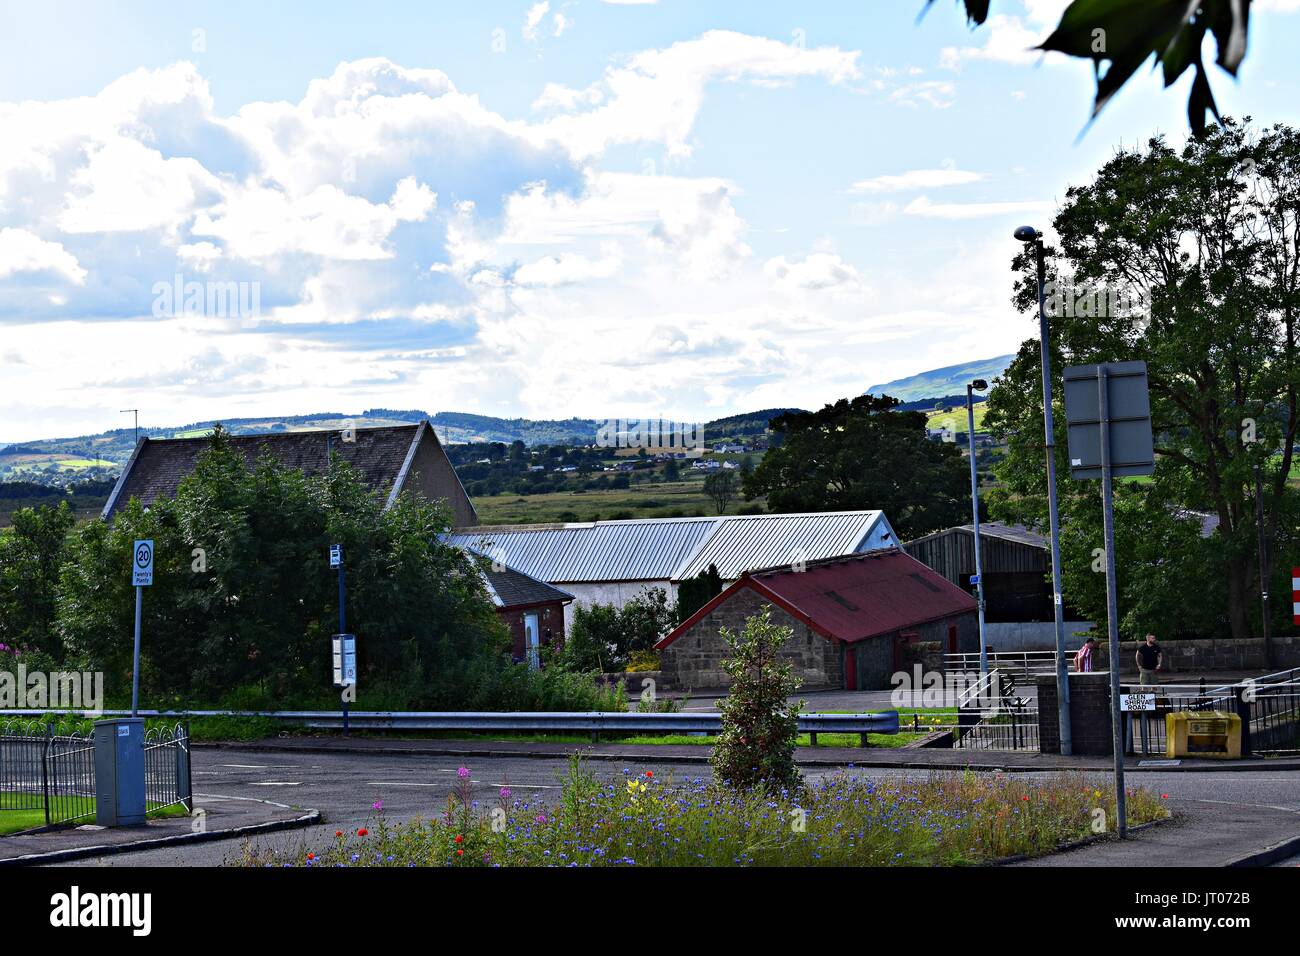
pixel 956 419
pixel 671 499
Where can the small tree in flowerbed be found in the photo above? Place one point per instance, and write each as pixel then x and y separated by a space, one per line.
pixel 759 726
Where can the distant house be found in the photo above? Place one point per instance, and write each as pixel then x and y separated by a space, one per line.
pixel 391 460
pixel 856 620
pixel 611 562
pixel 533 610
pixel 729 449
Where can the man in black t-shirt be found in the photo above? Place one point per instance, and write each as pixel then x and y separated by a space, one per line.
pixel 1149 660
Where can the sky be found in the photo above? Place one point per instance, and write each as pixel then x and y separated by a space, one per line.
pixel 676 209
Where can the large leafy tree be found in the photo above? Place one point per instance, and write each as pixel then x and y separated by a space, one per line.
pixel 1203 244
pixel 243 595
pixel 30 554
pixel 862 453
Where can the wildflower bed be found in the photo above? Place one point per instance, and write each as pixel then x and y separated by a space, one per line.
pixel 641 820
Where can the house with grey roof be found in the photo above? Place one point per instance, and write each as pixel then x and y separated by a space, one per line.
pixel 612 562
pixel 390 459
pixel 532 610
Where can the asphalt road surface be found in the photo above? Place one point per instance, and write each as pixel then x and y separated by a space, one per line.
pixel 344 786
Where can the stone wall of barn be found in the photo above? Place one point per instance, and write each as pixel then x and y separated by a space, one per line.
pixel 694 660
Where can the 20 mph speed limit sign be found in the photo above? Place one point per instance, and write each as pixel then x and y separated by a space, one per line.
pixel 142 564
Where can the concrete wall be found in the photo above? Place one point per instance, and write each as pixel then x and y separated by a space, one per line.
pixel 694 660
pixel 616 593
pixel 1033 636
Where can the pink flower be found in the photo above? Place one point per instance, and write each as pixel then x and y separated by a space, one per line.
pixel 463 772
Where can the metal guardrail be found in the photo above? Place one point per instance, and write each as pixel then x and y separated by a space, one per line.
pixel 594 722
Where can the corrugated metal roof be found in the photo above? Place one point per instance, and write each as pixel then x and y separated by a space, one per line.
pixel 1011 532
pixel 664 549
pixel 749 542
pixel 646 550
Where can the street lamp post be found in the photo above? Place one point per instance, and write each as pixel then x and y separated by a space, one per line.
pixel 981 385
pixel 1028 234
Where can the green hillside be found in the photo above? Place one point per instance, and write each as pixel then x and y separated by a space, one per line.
pixel 950 380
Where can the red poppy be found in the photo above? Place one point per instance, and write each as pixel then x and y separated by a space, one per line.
pixel 460 852
pixel 338 833
pixel 1025 797
pixel 649 773
pixel 362 832
pixel 1164 796
pixel 311 856
pixel 459 838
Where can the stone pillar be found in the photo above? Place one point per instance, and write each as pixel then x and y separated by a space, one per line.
pixel 1089 714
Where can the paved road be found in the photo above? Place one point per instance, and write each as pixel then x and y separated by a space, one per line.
pixel 345 785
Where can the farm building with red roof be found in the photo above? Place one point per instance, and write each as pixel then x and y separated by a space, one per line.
pixel 856 620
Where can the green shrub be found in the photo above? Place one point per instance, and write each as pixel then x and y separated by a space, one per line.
pixel 759 727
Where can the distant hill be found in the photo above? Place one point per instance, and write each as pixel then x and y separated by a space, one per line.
pixel 68 460
pixel 943 383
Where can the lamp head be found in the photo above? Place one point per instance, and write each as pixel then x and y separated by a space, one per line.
pixel 1028 234
pixel 979 385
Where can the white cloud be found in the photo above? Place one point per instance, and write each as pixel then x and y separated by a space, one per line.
pixel 818 270
pixel 22 251
pixel 916 179
pixel 922 206
pixel 565 270
pixel 533 19
pixel 939 94
pixel 656 95
pixel 1007 40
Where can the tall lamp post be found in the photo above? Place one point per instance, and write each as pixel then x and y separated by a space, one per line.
pixel 980 385
pixel 1028 234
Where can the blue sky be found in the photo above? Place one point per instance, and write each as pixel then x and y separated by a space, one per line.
pixel 587 208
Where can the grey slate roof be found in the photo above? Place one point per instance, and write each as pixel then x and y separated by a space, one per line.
pixel 158 465
pixel 511 588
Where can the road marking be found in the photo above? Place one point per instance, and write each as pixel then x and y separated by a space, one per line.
pixel 513 786
pixel 277 783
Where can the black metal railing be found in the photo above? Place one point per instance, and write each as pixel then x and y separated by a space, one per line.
pixel 69 776
pixel 22 765
pixel 49 768
pixel 167 780
pixel 1269 708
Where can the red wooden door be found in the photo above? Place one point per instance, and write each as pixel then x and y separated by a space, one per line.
pixel 850 668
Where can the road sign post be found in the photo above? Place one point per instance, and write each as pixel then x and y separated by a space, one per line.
pixel 1108 413
pixel 344 644
pixel 141 577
